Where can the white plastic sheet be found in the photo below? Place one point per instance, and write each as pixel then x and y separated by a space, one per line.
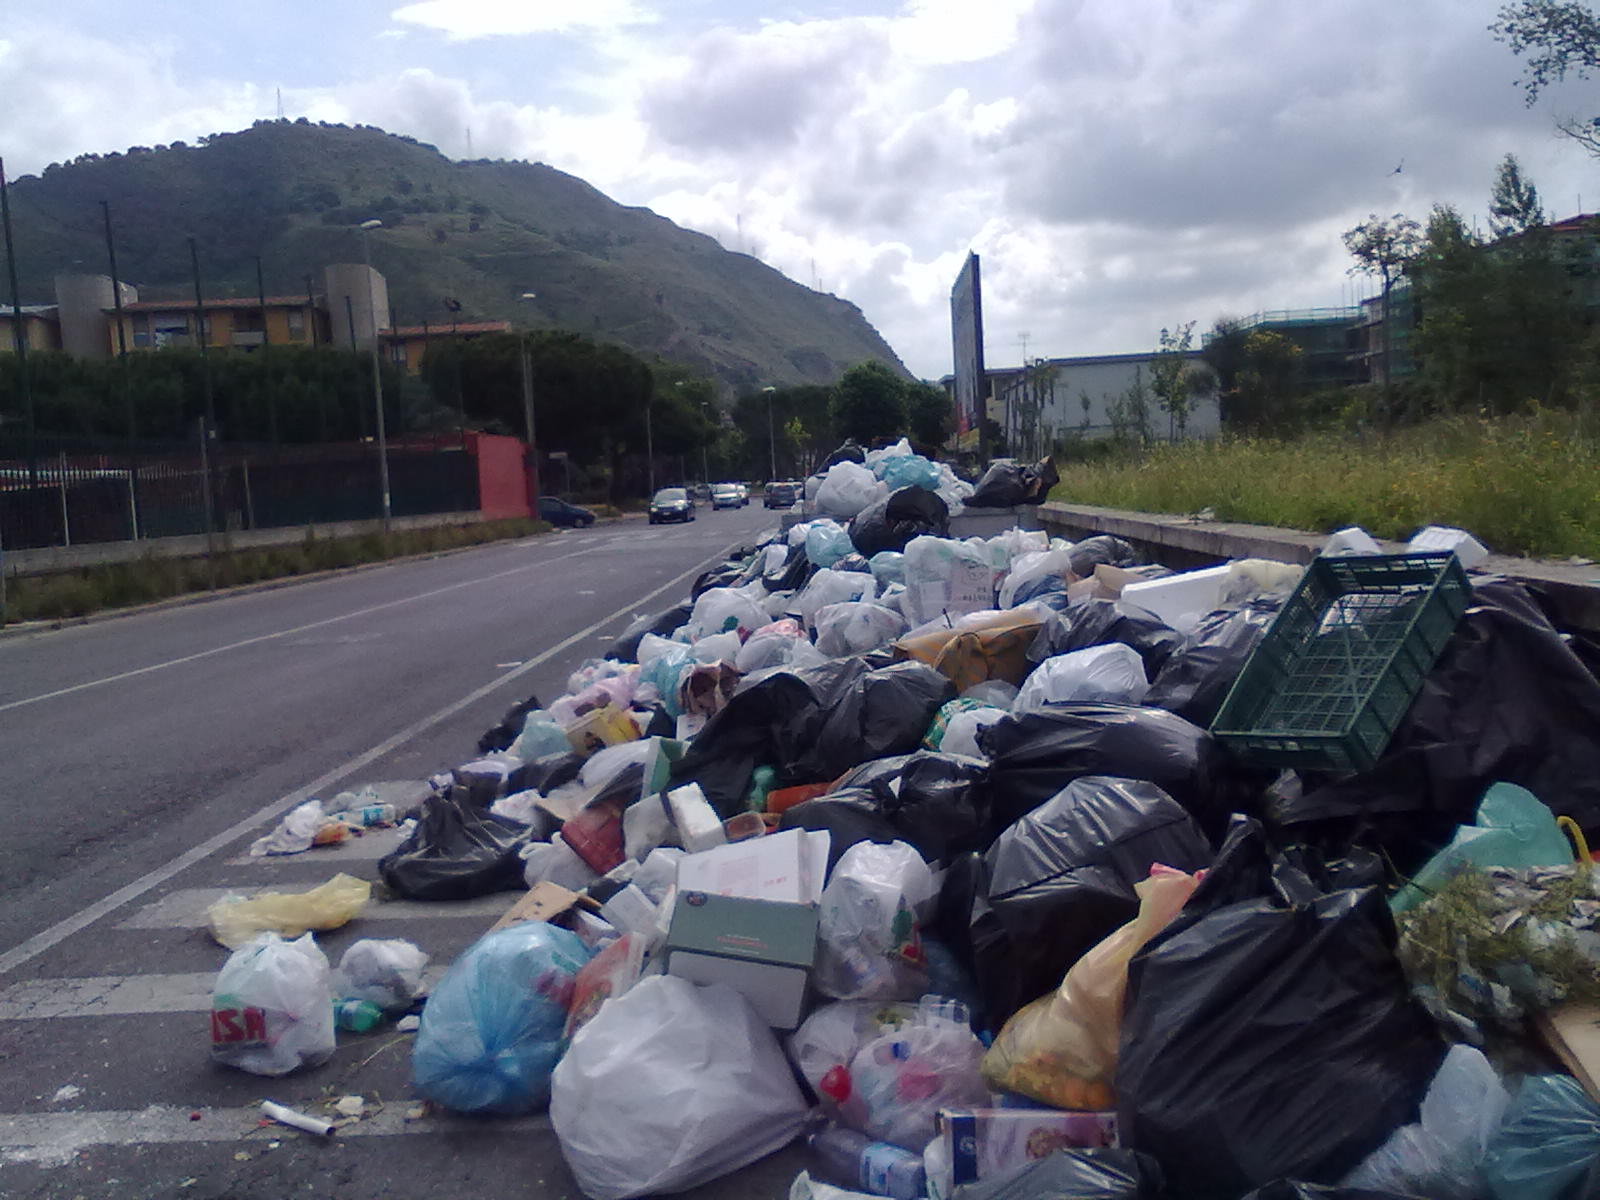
pixel 669 1086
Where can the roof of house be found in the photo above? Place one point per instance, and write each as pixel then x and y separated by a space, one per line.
pixel 222 302
pixel 447 328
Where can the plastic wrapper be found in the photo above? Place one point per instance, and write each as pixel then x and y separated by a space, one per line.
pixel 458 850
pixel 1268 1031
pixel 1062 1048
pixel 235 920
pixel 1064 877
pixel 869 934
pixel 1549 1146
pixel 725 610
pixel 1196 676
pixel 492 1030
pixel 1102 623
pixel 846 489
pixel 899 1080
pixel 1098 1174
pixel 1111 674
pixel 669 1086
pixel 827 542
pixel 1036 754
pixel 855 627
pixel 827 1040
pixel 1508 701
pixel 382 971
pixel 1442 1156
pixel 272 1007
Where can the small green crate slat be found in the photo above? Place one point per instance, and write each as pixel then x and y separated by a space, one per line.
pixel 1332 679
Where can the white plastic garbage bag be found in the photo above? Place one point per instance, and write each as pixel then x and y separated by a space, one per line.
pixel 1032 566
pixel 869 933
pixel 901 1079
pixel 828 586
pixel 294 833
pixel 719 647
pixel 961 734
pixel 944 576
pixel 770 646
pixel 383 971
pixel 272 1006
pixel 720 610
pixel 846 489
pixel 830 1037
pixel 605 765
pixel 1111 674
pixel 669 1086
pixel 773 558
pixel 1442 1156
pixel 555 862
pixel 855 628
pixel 827 542
pixel 652 646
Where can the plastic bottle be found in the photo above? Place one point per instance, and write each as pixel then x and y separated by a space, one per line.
pixel 854 1160
pixel 357 1016
pixel 369 815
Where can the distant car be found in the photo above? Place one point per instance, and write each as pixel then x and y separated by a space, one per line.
pixel 744 494
pixel 725 495
pixel 781 495
pixel 699 491
pixel 558 512
pixel 671 504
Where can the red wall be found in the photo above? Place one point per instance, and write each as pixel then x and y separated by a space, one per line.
pixel 502 479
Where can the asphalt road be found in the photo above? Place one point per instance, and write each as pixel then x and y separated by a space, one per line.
pixel 140 755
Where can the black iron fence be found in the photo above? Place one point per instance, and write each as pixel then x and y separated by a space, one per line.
pixel 75 491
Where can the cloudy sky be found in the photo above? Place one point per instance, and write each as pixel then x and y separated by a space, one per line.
pixel 1119 164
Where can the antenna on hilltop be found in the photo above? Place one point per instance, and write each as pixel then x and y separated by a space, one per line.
pixel 280 104
pixel 469 141
pixel 1023 338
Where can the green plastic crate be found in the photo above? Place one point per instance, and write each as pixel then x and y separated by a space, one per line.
pixel 1332 679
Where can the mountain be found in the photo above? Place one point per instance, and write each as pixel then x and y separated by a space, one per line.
pixel 481 233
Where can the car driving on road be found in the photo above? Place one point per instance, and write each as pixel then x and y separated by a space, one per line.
pixel 671 504
pixel 725 495
pixel 781 495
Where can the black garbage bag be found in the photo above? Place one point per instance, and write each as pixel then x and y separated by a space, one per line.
pixel 458 850
pixel 1101 550
pixel 1006 485
pixel 1033 755
pixel 1101 622
pixel 1061 880
pixel 850 816
pixel 724 574
pixel 500 736
pixel 853 562
pixel 1098 1174
pixel 545 774
pixel 1508 700
pixel 850 451
pixel 1287 1189
pixel 890 523
pixel 942 804
pixel 796 571
pixel 886 711
pixel 1268 1031
pixel 1194 680
pixel 626 647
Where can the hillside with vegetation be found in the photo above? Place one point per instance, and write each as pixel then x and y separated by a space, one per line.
pixel 477 233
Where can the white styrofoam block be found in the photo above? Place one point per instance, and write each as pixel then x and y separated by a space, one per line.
pixel 1180 600
pixel 1352 540
pixel 1439 538
pixel 699 827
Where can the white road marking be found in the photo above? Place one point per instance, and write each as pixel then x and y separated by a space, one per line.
pixel 186 908
pixel 283 633
pixel 65 928
pixel 52 1139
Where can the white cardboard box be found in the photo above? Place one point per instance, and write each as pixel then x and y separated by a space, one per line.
pixel 787 867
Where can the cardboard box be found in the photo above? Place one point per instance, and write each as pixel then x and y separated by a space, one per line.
pixel 981 1143
pixel 786 867
pixel 602 727
pixel 763 949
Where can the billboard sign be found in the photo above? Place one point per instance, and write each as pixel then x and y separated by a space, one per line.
pixel 966 330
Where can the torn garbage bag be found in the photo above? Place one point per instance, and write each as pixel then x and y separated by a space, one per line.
pixel 1035 754
pixel 1065 877
pixel 889 524
pixel 492 1030
pixel 1269 1031
pixel 458 850
pixel 671 1085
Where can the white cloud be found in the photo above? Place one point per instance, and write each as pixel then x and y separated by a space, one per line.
pixel 466 19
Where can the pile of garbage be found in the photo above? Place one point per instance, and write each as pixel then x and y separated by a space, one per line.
pixel 923 849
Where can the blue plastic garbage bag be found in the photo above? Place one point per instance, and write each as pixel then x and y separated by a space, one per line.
pixel 1549 1147
pixel 908 470
pixel 492 1031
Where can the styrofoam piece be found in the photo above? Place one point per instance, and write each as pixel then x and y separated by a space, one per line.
pixel 1350 540
pixel 1180 600
pixel 1437 539
pixel 699 827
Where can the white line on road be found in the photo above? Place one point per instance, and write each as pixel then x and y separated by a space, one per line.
pixel 53 1139
pixel 283 633
pixel 63 929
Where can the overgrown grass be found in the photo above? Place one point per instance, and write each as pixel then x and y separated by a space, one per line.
pixel 119 585
pixel 1524 485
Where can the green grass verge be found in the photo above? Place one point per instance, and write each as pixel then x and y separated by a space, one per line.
pixel 1525 485
pixel 118 585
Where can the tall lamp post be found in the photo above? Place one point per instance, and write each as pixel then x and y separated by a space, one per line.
pixel 377 369
pixel 772 438
pixel 531 454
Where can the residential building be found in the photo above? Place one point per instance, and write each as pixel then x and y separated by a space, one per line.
pixel 1331 341
pixel 41 328
pixel 156 324
pixel 406 346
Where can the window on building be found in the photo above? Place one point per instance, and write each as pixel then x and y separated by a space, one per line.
pixel 397 353
pixel 169 329
pixel 141 331
pixel 297 324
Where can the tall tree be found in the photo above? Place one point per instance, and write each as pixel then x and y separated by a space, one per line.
pixel 1382 246
pixel 1268 379
pixel 869 403
pixel 1171 379
pixel 929 413
pixel 1514 206
pixel 1555 39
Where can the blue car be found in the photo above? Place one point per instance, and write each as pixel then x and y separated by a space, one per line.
pixel 559 513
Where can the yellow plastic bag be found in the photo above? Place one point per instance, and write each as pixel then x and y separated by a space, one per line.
pixel 237 919
pixel 1062 1048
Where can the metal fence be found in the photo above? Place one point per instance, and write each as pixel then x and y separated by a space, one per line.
pixel 73 492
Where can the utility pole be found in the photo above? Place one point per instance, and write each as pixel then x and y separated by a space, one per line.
pixel 377 372
pixel 122 373
pixel 200 340
pixel 19 333
pixel 266 357
pixel 649 442
pixel 772 437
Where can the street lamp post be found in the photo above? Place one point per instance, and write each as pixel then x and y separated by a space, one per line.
pixel 772 437
pixel 531 458
pixel 649 442
pixel 377 369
